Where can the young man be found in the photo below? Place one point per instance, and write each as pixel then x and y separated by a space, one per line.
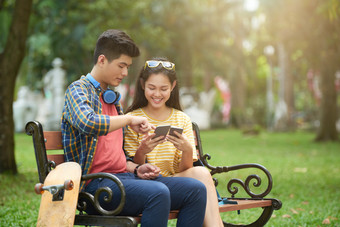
pixel 92 134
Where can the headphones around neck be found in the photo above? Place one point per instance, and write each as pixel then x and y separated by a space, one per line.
pixel 109 96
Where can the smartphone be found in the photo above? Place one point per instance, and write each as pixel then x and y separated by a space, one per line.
pixel 162 130
pixel 173 129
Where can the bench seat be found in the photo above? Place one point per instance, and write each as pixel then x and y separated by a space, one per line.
pixel 44 142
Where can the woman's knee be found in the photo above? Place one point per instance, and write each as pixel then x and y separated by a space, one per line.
pixel 199 172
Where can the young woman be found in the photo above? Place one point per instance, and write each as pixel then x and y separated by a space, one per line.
pixel 157 99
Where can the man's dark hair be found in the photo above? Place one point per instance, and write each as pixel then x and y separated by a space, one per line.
pixel 113 43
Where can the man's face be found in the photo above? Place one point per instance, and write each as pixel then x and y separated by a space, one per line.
pixel 113 72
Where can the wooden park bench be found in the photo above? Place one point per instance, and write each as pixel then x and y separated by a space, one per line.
pixel 51 140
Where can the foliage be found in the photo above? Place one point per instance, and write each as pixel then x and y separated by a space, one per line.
pixel 68 29
pixel 204 38
pixel 306 177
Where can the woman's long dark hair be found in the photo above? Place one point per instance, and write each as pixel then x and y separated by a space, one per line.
pixel 140 100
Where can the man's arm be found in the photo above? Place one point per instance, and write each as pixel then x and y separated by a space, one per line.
pixel 82 115
pixel 138 124
pixel 117 122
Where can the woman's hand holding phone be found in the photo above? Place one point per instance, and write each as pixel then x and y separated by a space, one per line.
pixel 164 133
pixel 180 141
pixel 149 142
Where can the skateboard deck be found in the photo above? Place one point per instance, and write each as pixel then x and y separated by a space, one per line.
pixel 59 195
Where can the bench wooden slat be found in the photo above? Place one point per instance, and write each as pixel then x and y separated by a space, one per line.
pixel 57 158
pixel 53 140
pixel 245 204
pixel 172 215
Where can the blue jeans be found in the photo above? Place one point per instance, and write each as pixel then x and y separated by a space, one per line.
pixel 155 198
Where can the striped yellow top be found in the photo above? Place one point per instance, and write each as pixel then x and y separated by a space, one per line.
pixel 165 155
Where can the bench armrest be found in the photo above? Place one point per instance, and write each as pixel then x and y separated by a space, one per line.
pixel 34 129
pixel 94 199
pixel 244 184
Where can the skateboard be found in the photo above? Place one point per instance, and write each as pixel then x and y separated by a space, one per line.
pixel 59 195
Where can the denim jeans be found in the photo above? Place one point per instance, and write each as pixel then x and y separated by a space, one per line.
pixel 155 198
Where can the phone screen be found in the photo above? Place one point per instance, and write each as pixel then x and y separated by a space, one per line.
pixel 172 129
pixel 162 130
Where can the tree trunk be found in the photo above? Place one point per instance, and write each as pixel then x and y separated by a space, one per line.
pixel 238 86
pixel 281 113
pixel 10 61
pixel 186 65
pixel 329 63
pixel 289 97
pixel 238 98
pixel 328 108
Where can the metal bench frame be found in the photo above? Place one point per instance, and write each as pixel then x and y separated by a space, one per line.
pixel 110 218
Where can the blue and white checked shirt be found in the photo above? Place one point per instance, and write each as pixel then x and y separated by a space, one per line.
pixel 82 123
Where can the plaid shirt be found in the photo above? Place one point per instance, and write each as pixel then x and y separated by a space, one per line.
pixel 82 123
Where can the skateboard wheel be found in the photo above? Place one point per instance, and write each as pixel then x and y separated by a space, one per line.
pixel 68 184
pixel 39 188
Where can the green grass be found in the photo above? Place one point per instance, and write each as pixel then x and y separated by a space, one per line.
pixel 19 205
pixel 306 174
pixel 306 177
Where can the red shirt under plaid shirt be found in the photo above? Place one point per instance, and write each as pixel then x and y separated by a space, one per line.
pixel 82 123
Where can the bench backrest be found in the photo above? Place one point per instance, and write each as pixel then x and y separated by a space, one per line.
pixel 53 142
pixel 49 149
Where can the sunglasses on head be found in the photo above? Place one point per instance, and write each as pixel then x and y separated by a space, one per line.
pixel 154 64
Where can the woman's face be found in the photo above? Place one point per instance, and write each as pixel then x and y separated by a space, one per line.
pixel 157 90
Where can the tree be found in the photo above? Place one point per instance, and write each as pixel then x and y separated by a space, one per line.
pixel 309 29
pixel 322 51
pixel 10 61
pixel 329 63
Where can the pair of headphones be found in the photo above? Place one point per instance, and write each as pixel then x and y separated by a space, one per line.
pixel 109 96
